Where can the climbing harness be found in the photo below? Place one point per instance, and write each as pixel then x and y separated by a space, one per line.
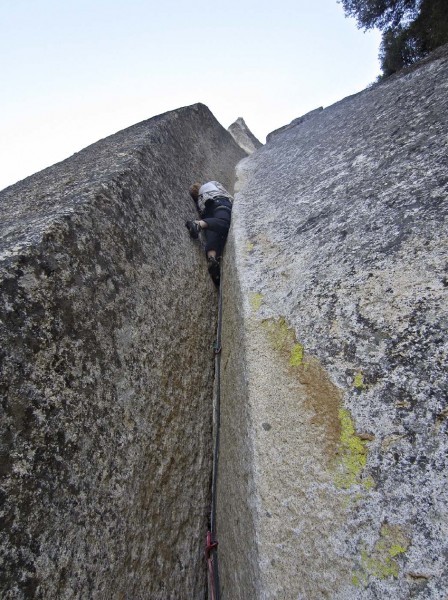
pixel 211 544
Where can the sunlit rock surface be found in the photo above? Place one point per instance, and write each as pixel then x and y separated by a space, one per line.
pixel 106 330
pixel 333 473
pixel 243 136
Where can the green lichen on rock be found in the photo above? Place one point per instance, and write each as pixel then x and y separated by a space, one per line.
pixel 256 301
pixel 249 246
pixel 283 338
pixel 393 540
pixel 358 381
pixel 382 568
pixel 380 561
pixel 368 483
pixel 351 449
pixel 396 549
pixel 318 398
pixel 296 358
pixel 352 454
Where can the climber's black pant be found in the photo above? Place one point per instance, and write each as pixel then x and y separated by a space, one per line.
pixel 218 225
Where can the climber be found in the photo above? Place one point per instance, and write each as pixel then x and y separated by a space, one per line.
pixel 214 204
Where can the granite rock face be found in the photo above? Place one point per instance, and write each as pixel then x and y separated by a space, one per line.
pixel 294 123
pixel 243 136
pixel 333 469
pixel 106 330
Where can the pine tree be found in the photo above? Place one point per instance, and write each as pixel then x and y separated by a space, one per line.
pixel 411 28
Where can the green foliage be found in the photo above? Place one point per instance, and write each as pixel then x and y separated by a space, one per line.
pixel 382 14
pixel 397 50
pixel 411 28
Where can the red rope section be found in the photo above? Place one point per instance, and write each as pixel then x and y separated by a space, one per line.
pixel 210 547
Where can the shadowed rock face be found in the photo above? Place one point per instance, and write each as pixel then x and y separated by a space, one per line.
pixel 243 136
pixel 334 415
pixel 106 327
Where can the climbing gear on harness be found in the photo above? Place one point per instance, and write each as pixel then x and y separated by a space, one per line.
pixel 211 547
pixel 193 228
pixel 220 202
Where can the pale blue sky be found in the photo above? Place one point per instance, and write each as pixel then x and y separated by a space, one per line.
pixel 74 71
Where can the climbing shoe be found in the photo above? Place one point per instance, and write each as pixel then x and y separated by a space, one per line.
pixel 214 268
pixel 193 228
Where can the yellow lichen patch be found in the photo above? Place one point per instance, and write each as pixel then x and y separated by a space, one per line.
pixel 382 568
pixel 317 391
pixel 296 358
pixel 352 453
pixel 358 381
pixel 393 540
pixel 282 338
pixel 368 483
pixel 380 562
pixel 396 549
pixel 255 301
pixel 249 246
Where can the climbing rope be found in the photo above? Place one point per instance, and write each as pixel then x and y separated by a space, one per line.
pixel 211 544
